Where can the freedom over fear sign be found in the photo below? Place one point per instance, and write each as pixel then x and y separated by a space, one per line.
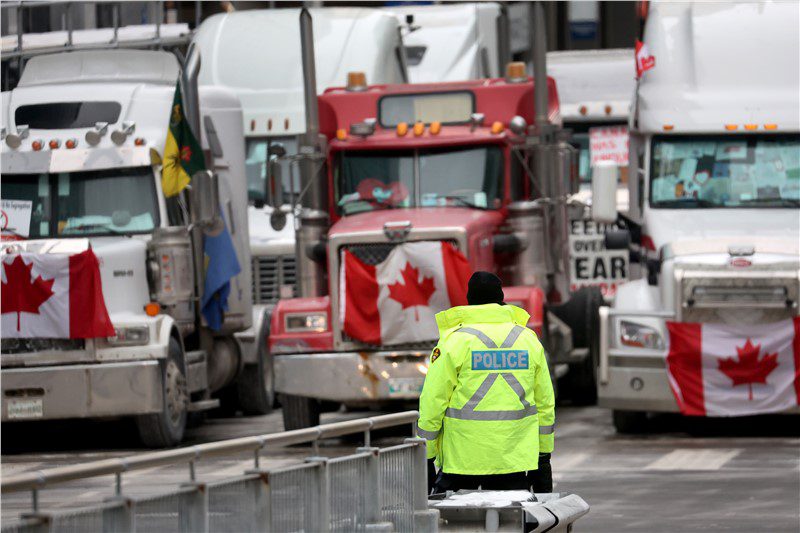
pixel 590 263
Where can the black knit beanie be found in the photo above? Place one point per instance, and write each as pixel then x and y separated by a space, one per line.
pixel 484 288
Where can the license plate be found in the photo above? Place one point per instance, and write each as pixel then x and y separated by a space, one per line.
pixel 405 386
pixel 27 408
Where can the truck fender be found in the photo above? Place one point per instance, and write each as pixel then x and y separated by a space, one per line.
pixel 165 329
pixel 252 340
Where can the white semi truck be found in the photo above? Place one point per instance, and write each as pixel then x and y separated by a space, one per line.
pixel 263 68
pixel 714 194
pixel 83 136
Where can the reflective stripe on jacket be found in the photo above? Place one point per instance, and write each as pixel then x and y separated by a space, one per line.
pixel 487 405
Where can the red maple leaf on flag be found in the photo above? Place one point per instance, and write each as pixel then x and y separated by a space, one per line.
pixel 414 292
pixel 20 294
pixel 748 368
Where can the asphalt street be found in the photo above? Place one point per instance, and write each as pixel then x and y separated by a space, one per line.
pixel 682 475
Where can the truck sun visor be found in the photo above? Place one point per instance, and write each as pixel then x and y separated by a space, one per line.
pixel 67 115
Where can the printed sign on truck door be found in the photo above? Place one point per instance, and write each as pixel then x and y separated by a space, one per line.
pixel 590 263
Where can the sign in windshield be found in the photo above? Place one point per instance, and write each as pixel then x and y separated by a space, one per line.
pixel 725 171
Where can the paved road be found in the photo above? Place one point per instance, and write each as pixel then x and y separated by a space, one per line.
pixel 683 475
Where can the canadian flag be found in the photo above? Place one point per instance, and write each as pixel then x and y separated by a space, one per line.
pixel 722 370
pixel 644 61
pixel 395 301
pixel 53 296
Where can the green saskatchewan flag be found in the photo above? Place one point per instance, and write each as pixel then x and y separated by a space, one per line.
pixel 183 155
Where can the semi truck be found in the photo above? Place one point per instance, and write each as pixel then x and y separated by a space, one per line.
pixel 83 142
pixel 457 168
pixel 263 69
pixel 714 209
pixel 595 88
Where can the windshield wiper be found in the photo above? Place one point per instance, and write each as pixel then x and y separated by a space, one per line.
pixel 462 201
pixel 685 202
pixel 783 202
pixel 82 227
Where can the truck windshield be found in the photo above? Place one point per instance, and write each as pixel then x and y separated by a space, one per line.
pixel 99 202
pixel 725 171
pixel 465 177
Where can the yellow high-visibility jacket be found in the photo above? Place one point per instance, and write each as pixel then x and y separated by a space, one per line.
pixel 487 405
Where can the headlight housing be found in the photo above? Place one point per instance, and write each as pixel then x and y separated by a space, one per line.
pixel 130 336
pixel 306 322
pixel 639 336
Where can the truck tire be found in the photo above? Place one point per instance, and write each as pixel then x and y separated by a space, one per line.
pixel 630 422
pixel 581 314
pixel 255 388
pixel 164 429
pixel 299 412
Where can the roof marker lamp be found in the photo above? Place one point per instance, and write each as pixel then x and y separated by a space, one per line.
pixel 515 72
pixel 435 128
pixel 71 143
pixel 731 127
pixel 607 109
pixel 402 129
pixel 363 129
pixel 497 127
pixel 54 144
pixel 37 145
pixel 95 135
pixel 583 110
pixel 356 81
pixel 475 121
pixel 518 125
pixel 751 127
pixel 139 141
pixel 121 135
pixel 419 129
pixel 341 134
pixel 14 140
pixel 770 127
pixel 668 127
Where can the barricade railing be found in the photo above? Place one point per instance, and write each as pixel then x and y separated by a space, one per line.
pixel 372 489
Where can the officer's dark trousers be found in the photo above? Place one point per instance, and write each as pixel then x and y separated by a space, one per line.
pixel 515 481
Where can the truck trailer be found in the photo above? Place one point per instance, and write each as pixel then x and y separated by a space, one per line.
pixel 83 149
pixel 715 211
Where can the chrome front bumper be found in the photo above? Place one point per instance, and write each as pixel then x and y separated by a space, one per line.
pixel 81 391
pixel 352 376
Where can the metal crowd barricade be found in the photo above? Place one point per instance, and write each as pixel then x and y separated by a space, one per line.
pixel 372 489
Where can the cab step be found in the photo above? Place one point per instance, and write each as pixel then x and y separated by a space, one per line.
pixel 203 405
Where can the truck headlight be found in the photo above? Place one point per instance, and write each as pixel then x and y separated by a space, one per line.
pixel 639 336
pixel 306 322
pixel 130 336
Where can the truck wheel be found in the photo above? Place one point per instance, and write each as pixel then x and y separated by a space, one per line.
pixel 255 388
pixel 630 422
pixel 164 429
pixel 299 412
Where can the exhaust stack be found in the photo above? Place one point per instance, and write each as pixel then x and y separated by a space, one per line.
pixel 313 216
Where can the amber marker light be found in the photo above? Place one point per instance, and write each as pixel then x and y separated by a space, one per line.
pixel 435 128
pixel 731 127
pixel 341 134
pixel 770 127
pixel 497 127
pixel 152 309
pixel 419 129
pixel 608 110
pixel 139 141
pixel 37 145
pixel 582 110
pixel 402 129
pixel 71 143
pixel 668 127
pixel 751 127
pixel 54 144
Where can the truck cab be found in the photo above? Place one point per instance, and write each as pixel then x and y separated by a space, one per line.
pixel 714 192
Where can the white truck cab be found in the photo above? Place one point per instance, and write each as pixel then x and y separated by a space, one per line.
pixel 714 190
pixel 83 139
pixel 263 67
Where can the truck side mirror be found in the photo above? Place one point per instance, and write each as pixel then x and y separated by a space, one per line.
pixel 605 175
pixel 618 239
pixel 274 191
pixel 204 198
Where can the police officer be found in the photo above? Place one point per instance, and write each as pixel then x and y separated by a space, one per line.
pixel 487 405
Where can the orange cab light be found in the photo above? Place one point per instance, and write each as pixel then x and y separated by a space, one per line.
pixel 71 143
pixel 582 110
pixel 668 127
pixel 54 143
pixel 356 81
pixel 751 127
pixel 286 123
pixel 152 309
pixel 139 141
pixel 252 125
pixel 419 128
pixel 497 127
pixel 402 129
pixel 770 126
pixel 515 72
pixel 608 110
pixel 341 134
pixel 269 124
pixel 37 145
pixel 731 127
pixel 435 128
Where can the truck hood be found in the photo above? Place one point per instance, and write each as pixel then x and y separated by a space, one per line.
pixel 423 218
pixel 123 268
pixel 716 229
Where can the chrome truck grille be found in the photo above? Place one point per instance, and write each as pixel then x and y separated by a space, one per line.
pixel 371 254
pixel 270 273
pixel 754 295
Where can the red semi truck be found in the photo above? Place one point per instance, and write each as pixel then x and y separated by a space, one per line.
pixel 401 182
